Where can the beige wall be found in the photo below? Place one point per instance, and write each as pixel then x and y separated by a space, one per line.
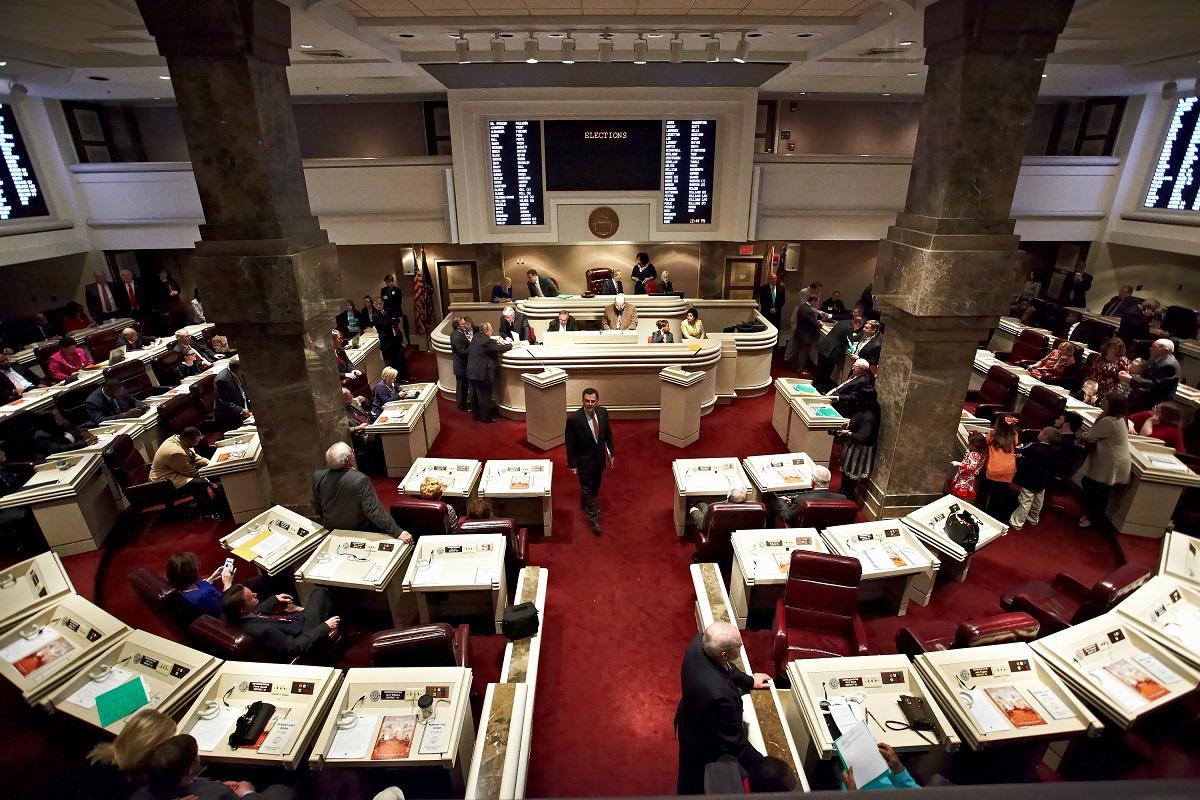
pixel 848 127
pixel 567 263
pixel 1171 278
pixel 37 285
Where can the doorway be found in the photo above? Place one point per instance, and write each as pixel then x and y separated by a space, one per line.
pixel 742 276
pixel 459 282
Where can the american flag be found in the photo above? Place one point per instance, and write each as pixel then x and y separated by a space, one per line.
pixel 423 296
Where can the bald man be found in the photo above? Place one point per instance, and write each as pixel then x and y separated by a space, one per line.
pixel 619 315
pixel 708 721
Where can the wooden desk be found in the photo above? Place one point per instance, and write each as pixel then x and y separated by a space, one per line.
pixel 30 586
pixel 892 557
pixel 362 561
pixel 301 696
pixel 705 480
pixel 929 525
pixel 239 466
pixel 1167 610
pixel 521 489
pixel 275 539
pixel 453 572
pixel 408 428
pixel 809 430
pixel 367 358
pixel 74 507
pixel 781 411
pixel 458 477
pixel 1144 506
pixel 761 559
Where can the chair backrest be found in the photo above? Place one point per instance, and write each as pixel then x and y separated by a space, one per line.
pixel 1180 322
pixel 72 404
pixel 179 412
pixel 124 462
pixel 502 525
pixel 217 637
pixel 821 593
pixel 208 333
pixel 1112 589
pixel 1030 345
pixel 723 519
pixel 43 352
pixel 166 368
pixel 133 376
pixel 204 391
pixel 1042 408
pixel 1016 626
pixel 999 387
pixel 420 646
pixel 101 343
pixel 821 513
pixel 596 277
pixel 421 517
pixel 162 598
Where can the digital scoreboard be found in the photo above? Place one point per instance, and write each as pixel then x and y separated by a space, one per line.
pixel 20 194
pixel 688 164
pixel 515 151
pixel 1174 183
pixel 598 155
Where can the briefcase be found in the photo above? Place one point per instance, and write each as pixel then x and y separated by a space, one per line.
pixel 520 621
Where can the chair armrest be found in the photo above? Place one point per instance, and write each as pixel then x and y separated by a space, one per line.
pixel 1068 585
pixel 780 645
pixel 518 545
pixel 859 635
pixel 151 493
pixel 988 410
pixel 462 642
pixel 1050 615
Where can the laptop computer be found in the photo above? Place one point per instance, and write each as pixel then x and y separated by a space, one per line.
pixel 116 355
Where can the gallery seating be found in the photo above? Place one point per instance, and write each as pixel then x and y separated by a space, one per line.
pixel 998 393
pixel 821 513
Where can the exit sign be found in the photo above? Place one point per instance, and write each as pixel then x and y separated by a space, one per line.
pixel 745 249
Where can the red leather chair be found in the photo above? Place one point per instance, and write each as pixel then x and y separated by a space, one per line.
pixel 1041 409
pixel 223 640
pixel 101 343
pixel 516 543
pixel 936 635
pixel 166 368
pixel 596 277
pixel 818 615
pixel 436 645
pixel 998 393
pixel 821 513
pixel 72 404
pixel 42 354
pixel 179 412
pixel 132 474
pixel 713 538
pixel 133 376
pixel 167 603
pixel 421 517
pixel 204 393
pixel 1066 601
pixel 1028 348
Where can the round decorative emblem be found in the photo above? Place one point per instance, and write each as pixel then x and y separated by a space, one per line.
pixel 243 686
pixel 374 695
pixel 603 222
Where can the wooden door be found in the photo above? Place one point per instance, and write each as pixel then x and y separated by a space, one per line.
pixel 459 282
pixel 741 277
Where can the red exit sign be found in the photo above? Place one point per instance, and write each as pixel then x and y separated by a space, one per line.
pixel 745 249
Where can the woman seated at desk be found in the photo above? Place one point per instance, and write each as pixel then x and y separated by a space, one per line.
pixel 69 359
pixel 431 489
pixel 502 292
pixel 1055 363
pixel 385 391
pixel 75 319
pixel 348 322
pixel 664 285
pixel 691 326
pixel 1160 422
pixel 663 335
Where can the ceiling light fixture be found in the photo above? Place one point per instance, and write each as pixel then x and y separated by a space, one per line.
pixel 712 50
pixel 907 43
pixel 606 48
pixel 640 48
pixel 568 50
pixel 743 50
pixel 531 49
pixel 676 49
pixel 887 94
pixel 497 47
pixel 654 35
pixel 1044 75
pixel 164 77
pixel 306 47
pixel 912 74
pixel 462 47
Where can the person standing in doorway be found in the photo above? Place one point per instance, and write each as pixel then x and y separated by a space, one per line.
pixel 393 303
pixel 589 451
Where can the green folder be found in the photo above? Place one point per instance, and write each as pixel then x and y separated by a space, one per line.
pixel 805 388
pixel 120 702
pixel 827 411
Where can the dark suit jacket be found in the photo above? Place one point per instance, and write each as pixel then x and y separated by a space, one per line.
pixel 1119 307
pixel 584 453
pixel 848 395
pixel 284 637
pixel 808 324
pixel 8 391
pixel 833 344
pixel 572 324
pixel 346 499
pixel 382 395
pixel 520 325
pixel 870 352
pixel 209 789
pixel 102 408
pixel 1160 379
pixel 482 355
pixel 709 716
pixel 122 297
pixel 343 361
pixel 231 399
pixel 91 298
pixel 1087 332
pixel 548 287
pixel 1134 325
pixel 612 287
pixel 458 346
pixel 393 300
pixel 772 312
pixel 665 287
pixel 1075 294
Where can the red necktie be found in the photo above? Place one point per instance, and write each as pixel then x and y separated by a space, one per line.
pixel 133 304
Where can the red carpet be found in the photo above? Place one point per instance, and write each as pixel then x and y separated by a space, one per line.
pixel 620 612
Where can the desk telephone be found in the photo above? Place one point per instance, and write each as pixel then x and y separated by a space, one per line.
pixel 251 724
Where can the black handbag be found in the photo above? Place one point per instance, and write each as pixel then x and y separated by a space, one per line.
pixel 963 530
pixel 916 711
pixel 520 621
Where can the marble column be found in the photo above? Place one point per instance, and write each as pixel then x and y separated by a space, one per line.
pixel 950 264
pixel 268 273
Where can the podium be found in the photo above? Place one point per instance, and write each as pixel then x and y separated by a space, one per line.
pixel 679 420
pixel 545 407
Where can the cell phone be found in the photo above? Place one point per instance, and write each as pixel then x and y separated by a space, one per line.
pixel 228 565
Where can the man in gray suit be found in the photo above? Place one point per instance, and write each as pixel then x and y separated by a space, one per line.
pixel 345 498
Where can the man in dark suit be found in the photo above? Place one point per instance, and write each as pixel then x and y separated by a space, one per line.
pixel 1135 324
pixel 831 349
pixel 613 285
pixel 806 330
pixel 514 325
pixel 771 297
pixel 345 499
pixel 345 368
pixel 38 329
pixel 787 504
pixel 277 625
pixel 232 405
pixel 482 356
pixel 1160 376
pixel 846 395
pixel 589 443
pixel 393 303
pixel 1084 331
pixel 100 298
pixel 15 380
pixel 564 322
pixel 708 720
pixel 460 343
pixel 111 401
pixel 128 293
pixel 871 344
pixel 1120 305
pixel 539 286
pixel 1075 287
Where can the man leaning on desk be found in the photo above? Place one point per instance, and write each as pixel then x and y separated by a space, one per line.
pixel 112 401
pixel 345 498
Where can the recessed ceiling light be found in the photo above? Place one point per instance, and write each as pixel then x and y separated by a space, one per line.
pixel 907 43
pixel 887 94
pixel 755 35
pixel 164 77
pixel 158 98
pixel 3 63
pixel 654 35
pixel 306 47
pixel 91 77
pixel 1044 75
pixel 802 35
pixel 507 35
pixel 804 93
pixel 864 155
pixel 912 74
pixel 557 35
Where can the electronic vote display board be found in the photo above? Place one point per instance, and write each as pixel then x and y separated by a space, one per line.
pixel 688 161
pixel 1174 182
pixel 20 193
pixel 515 150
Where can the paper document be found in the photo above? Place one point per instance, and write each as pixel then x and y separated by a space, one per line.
pixel 859 752
pixel 989 718
pixel 1156 668
pixel 324 569
pixel 279 740
pixel 1129 699
pixel 374 573
pixel 274 542
pixel 435 739
pixel 85 696
pixel 429 573
pixel 23 647
pixel 1048 700
pixel 210 733
pixel 41 479
pixel 355 741
pixel 121 701
pixel 1168 463
pixel 483 575
pixel 845 715
pixel 875 558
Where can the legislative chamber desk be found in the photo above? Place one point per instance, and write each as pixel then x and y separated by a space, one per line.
pixel 239 466
pixel 768 725
pixel 400 717
pixel 170 677
pixel 301 696
pixel 929 525
pixel 623 367
pixel 868 689
pixel 30 586
pixel 458 575
pixel 407 428
pixel 812 425
pixel 705 480
pixel 458 477
pixel 1180 557
pixel 367 358
pixel 274 540
pixel 1167 609
pixel 26 357
pixel 781 411
pixel 47 647
pixel 761 560
pixel 1117 668
pixel 785 472
pixel 520 489
pixel 892 557
pixel 368 563
pixel 73 506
